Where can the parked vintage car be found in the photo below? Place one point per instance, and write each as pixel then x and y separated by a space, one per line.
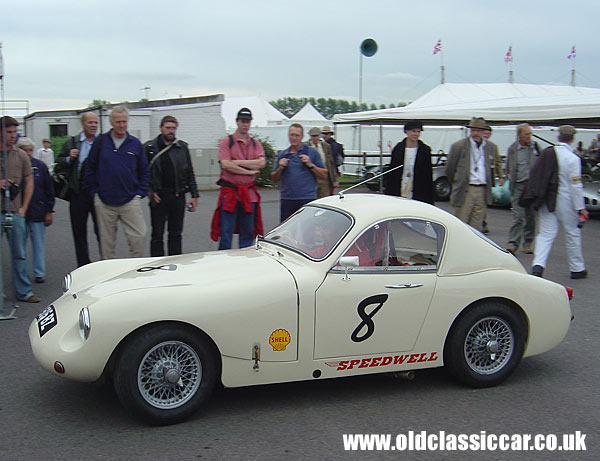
pixel 441 185
pixel 349 285
pixel 591 195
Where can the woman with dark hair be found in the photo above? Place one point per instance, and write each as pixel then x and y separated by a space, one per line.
pixel 414 179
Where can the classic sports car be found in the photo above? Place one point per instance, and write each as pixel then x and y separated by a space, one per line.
pixel 349 285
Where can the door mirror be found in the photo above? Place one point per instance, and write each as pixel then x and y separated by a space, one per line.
pixel 346 262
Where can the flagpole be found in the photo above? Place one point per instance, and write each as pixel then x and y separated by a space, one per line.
pixel 511 76
pixel 439 49
pixel 442 68
pixel 572 57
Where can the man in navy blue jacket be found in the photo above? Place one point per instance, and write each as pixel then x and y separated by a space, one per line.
pixel 39 211
pixel 117 177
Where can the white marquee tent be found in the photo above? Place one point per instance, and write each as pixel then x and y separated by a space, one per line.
pixel 498 103
pixel 309 116
pixel 263 113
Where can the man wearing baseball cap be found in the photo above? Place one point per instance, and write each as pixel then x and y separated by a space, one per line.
pixel 471 173
pixel 241 158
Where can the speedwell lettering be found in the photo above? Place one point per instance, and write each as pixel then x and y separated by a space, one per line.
pixel 387 360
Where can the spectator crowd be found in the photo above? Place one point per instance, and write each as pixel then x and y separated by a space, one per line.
pixel 106 177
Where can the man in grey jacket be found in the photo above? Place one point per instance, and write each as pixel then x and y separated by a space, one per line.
pixel 469 170
pixel 520 158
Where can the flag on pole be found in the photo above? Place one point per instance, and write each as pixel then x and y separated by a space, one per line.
pixel 572 54
pixel 1 63
pixel 438 47
pixel 508 55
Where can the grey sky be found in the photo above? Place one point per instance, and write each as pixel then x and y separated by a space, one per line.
pixel 65 53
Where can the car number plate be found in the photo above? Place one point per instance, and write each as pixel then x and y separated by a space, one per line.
pixel 46 320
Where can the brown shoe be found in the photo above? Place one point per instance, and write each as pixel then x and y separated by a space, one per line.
pixel 528 250
pixel 39 280
pixel 512 248
pixel 32 299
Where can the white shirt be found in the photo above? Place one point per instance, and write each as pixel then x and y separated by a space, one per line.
pixel 45 155
pixel 408 171
pixel 477 174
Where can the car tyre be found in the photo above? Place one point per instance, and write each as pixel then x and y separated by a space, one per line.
pixel 165 373
pixel 485 345
pixel 442 189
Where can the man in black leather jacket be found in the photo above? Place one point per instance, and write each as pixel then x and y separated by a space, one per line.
pixel 171 176
pixel 71 162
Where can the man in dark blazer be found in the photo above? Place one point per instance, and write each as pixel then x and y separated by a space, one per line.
pixel 325 187
pixel 470 170
pixel 73 159
pixel 415 177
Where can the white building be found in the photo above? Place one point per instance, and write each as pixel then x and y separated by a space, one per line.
pixel 201 125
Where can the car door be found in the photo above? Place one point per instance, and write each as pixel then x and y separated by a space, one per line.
pixel 379 306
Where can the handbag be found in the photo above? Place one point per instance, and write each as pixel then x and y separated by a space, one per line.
pixel 60 180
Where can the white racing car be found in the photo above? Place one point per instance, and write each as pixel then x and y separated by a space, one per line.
pixel 349 285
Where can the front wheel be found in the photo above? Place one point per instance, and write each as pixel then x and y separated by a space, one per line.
pixel 165 373
pixel 485 345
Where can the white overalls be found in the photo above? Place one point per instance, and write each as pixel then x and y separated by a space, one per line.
pixel 569 201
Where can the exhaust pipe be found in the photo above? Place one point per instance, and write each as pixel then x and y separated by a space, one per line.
pixel 410 375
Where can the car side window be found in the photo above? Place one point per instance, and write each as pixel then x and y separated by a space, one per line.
pixel 399 244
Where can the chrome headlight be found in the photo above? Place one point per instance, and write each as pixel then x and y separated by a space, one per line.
pixel 84 323
pixel 66 284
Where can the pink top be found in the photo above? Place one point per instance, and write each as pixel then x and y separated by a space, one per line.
pixel 240 151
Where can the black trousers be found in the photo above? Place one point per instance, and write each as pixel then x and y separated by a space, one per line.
pixel 80 206
pixel 171 209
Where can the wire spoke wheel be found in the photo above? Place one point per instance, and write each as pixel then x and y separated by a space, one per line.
pixel 489 345
pixel 169 375
pixel 485 344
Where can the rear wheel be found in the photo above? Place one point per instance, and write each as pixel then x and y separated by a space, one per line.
pixel 485 345
pixel 442 189
pixel 164 374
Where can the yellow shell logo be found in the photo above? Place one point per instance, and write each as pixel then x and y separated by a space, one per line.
pixel 279 339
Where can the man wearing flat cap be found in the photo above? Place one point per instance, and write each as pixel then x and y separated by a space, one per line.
pixel 470 170
pixel 555 189
pixel 238 208
pixel 337 149
pixel 325 187
pixel 45 154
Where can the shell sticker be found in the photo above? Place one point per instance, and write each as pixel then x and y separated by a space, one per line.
pixel 279 339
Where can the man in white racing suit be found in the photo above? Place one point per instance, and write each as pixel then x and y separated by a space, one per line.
pixel 569 210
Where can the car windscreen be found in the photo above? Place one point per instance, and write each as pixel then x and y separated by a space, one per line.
pixel 313 231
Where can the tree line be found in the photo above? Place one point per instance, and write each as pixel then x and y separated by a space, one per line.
pixel 327 107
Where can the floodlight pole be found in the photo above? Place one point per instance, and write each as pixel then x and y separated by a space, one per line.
pixel 360 94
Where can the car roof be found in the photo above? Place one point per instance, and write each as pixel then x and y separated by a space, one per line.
pixel 465 252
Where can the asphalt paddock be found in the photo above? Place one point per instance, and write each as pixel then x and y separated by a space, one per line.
pixel 554 393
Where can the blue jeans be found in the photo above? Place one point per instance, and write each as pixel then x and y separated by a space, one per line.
pixel 288 207
pixel 36 231
pixel 245 224
pixel 16 239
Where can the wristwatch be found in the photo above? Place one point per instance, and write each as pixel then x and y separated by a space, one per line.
pixel 311 167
